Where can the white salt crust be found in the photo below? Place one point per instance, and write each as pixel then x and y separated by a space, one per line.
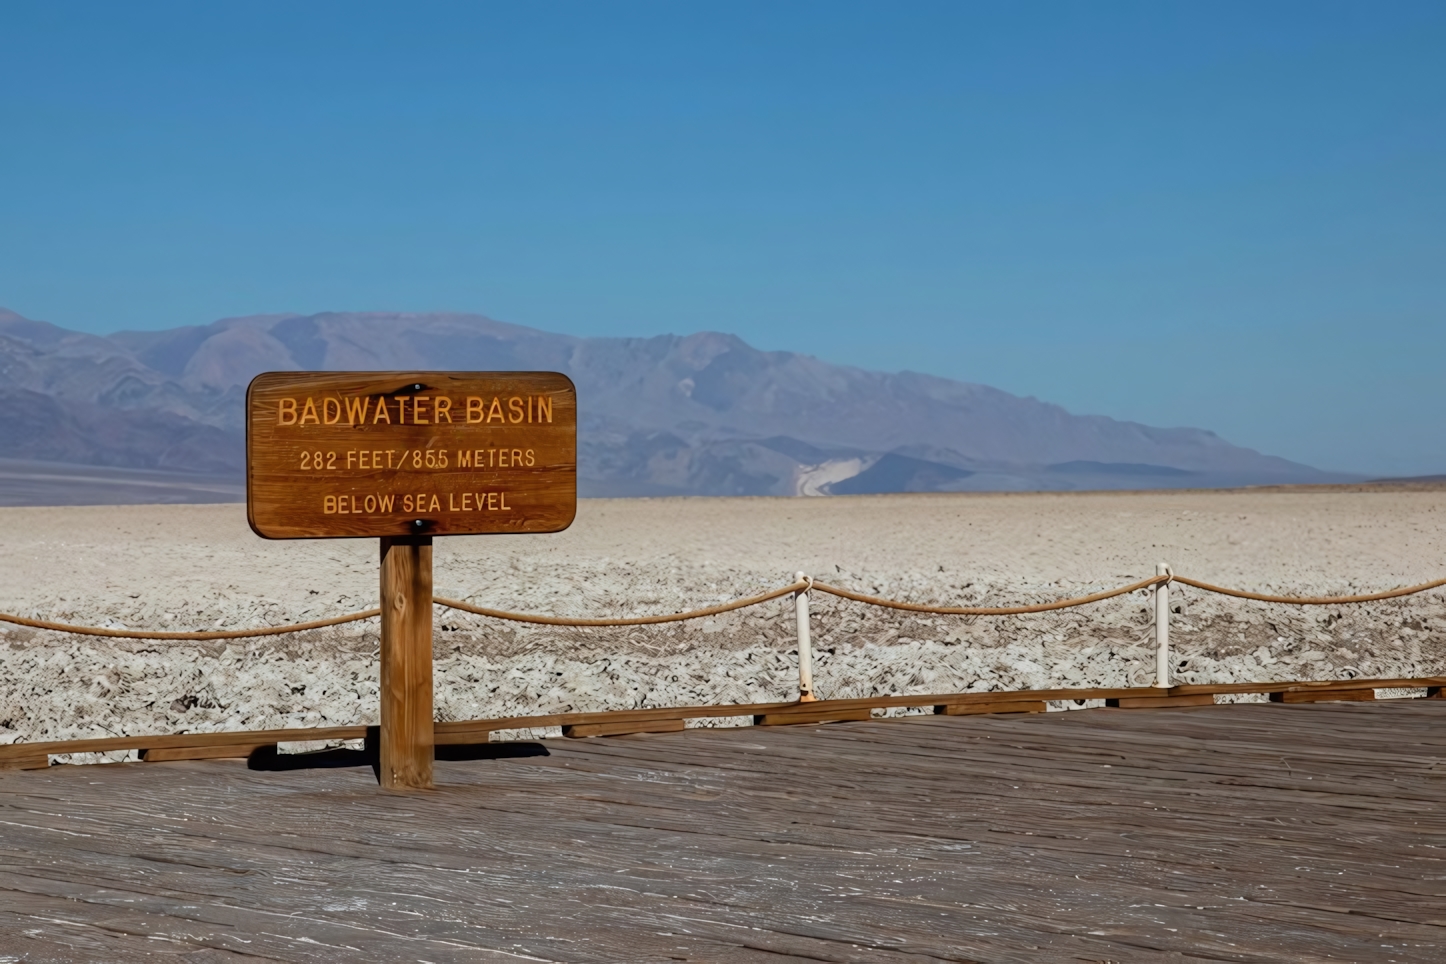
pixel 199 567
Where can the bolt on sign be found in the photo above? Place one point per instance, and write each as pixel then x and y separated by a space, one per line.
pixel 337 454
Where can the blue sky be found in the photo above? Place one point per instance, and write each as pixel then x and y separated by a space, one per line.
pixel 1229 215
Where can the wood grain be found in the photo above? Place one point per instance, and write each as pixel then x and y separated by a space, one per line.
pixel 1244 833
pixel 1305 685
pixel 813 712
pixel 406 656
pixel 21 759
pixel 578 730
pixel 1319 696
pixel 475 731
pixel 974 709
pixel 143 741
pixel 457 453
pixel 235 751
pixel 1160 702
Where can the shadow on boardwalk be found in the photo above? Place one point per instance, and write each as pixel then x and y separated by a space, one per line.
pixel 267 758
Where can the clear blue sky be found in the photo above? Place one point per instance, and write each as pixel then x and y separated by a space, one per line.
pixel 1230 215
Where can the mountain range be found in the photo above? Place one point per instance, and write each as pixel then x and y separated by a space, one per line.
pixel 701 414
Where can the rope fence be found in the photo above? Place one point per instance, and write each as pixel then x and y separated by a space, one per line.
pixel 807 708
pixel 467 607
pixel 987 610
pixel 210 634
pixel 802 585
pixel 1310 600
pixel 799 589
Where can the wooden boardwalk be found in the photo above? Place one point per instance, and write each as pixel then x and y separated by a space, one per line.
pixel 1259 832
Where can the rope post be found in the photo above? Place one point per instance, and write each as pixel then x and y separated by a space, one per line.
pixel 405 750
pixel 1162 627
pixel 805 646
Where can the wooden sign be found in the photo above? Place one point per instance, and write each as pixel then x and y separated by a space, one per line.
pixel 336 454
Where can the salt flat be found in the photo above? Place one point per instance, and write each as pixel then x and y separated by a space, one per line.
pixel 199 566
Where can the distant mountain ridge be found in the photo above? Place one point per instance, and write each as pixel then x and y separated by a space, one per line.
pixel 696 414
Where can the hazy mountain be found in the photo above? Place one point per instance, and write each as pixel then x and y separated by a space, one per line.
pixel 703 413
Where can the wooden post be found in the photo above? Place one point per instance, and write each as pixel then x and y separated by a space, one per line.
pixel 1162 628
pixel 805 645
pixel 406 681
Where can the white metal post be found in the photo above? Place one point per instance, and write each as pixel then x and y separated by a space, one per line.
pixel 805 646
pixel 1162 628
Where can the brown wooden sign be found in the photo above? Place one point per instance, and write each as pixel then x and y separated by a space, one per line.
pixel 336 454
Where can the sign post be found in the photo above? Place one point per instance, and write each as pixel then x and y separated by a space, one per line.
pixel 404 457
pixel 406 675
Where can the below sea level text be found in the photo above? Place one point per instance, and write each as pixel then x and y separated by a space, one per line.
pixel 414 503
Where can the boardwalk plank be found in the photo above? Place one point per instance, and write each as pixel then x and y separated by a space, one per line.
pixel 1254 832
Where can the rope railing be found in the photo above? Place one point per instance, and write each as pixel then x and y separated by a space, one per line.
pixel 801 585
pixel 206 634
pixel 467 607
pixel 806 708
pixel 1310 600
pixel 988 610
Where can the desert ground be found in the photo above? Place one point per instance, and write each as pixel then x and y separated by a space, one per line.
pixel 31 482
pixel 200 567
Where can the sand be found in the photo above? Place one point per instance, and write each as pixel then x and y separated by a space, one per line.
pixel 199 566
